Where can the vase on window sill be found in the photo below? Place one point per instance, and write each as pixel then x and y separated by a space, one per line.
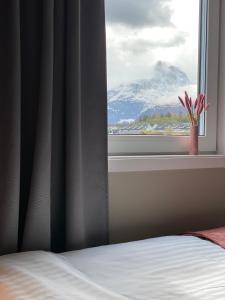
pixel 193 140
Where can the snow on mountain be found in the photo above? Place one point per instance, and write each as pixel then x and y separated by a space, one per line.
pixel 149 96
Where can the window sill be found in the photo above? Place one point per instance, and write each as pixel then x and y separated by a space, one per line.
pixel 120 164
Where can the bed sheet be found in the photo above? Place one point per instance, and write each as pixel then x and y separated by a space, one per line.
pixel 165 268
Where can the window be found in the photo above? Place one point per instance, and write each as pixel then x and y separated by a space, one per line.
pixel 157 49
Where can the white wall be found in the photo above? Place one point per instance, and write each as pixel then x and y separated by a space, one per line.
pixel 160 203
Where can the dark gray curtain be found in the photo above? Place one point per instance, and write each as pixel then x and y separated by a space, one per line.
pixel 53 167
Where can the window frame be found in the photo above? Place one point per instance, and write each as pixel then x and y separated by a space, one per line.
pixel 208 82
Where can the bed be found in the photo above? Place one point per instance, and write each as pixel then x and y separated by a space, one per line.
pixel 173 267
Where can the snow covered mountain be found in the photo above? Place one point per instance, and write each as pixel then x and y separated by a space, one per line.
pixel 149 96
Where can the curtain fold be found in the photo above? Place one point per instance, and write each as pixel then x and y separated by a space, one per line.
pixel 53 128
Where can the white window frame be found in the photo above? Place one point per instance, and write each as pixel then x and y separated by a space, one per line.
pixel 141 144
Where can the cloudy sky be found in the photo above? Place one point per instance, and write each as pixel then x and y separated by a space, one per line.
pixel 142 32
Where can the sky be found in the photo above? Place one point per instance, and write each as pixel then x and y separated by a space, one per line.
pixel 141 32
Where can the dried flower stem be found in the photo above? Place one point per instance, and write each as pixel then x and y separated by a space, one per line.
pixel 194 109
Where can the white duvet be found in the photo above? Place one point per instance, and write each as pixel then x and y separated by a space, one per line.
pixel 167 268
pixel 43 276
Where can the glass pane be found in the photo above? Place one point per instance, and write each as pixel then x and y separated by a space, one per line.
pixel 152 58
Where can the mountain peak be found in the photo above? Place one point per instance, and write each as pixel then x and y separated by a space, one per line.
pixel 163 70
pixel 161 66
pixel 153 95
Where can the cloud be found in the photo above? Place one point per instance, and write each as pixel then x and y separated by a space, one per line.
pixel 138 46
pixel 138 13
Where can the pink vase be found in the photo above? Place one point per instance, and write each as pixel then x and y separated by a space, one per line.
pixel 193 140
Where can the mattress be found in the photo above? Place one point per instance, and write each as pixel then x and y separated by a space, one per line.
pixel 175 267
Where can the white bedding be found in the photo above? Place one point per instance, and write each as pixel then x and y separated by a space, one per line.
pixel 166 268
pixel 178 267
pixel 44 276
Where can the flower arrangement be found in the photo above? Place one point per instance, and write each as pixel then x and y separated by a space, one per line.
pixel 194 108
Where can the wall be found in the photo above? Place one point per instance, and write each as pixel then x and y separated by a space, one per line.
pixel 160 203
